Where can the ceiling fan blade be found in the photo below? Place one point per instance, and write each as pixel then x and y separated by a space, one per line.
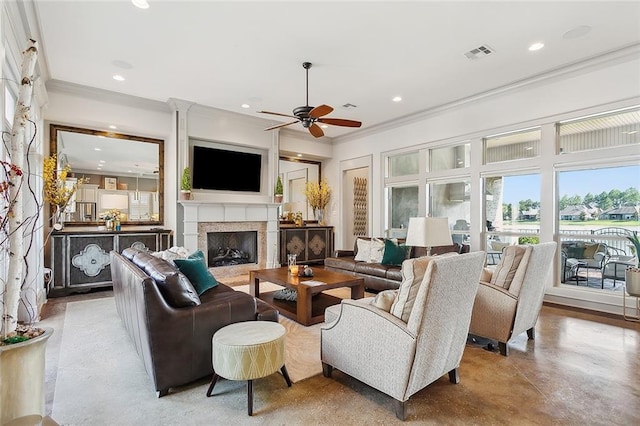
pixel 277 113
pixel 281 125
pixel 316 131
pixel 340 122
pixel 320 111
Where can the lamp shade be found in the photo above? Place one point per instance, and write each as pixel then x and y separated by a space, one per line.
pixel 428 232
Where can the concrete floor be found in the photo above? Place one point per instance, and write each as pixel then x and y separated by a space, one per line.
pixel 583 368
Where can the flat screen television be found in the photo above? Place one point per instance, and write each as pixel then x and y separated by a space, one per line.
pixel 224 170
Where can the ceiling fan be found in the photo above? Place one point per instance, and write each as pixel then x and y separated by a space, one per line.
pixel 309 116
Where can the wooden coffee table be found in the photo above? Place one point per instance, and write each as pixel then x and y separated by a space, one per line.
pixel 311 302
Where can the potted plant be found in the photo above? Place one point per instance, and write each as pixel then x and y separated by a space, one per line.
pixel 278 192
pixel 22 346
pixel 185 184
pixel 632 274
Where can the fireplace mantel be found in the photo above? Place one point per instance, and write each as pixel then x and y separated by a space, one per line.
pixel 200 211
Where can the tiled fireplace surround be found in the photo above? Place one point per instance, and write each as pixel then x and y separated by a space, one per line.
pixel 201 217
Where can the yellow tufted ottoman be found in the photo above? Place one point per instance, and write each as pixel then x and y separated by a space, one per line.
pixel 247 351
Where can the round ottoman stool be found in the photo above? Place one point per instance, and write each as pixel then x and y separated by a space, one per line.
pixel 247 351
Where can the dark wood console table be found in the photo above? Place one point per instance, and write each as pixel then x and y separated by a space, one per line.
pixel 311 243
pixel 79 257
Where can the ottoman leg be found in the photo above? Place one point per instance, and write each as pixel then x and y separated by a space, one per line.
pixel 286 375
pixel 250 397
pixel 214 379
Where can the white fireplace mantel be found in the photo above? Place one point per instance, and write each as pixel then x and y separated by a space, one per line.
pixel 198 211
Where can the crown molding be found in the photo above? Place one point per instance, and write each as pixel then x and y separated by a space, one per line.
pixel 617 56
pixel 94 93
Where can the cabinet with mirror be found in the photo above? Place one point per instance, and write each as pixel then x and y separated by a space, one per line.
pixel 118 171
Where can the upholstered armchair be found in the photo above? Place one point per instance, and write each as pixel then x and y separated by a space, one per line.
pixel 509 298
pixel 400 353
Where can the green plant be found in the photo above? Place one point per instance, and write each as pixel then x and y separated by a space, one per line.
pixel 528 240
pixel 185 182
pixel 279 190
pixel 636 245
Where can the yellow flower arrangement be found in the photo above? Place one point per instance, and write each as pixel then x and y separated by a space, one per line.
pixel 318 194
pixel 56 191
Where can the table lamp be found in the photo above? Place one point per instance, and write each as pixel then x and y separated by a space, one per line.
pixel 428 232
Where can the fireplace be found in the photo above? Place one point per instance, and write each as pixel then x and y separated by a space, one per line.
pixel 232 248
pixel 204 217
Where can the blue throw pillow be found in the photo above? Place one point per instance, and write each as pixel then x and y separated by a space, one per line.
pixel 394 254
pixel 196 270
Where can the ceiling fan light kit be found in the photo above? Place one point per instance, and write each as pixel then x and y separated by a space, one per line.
pixel 309 116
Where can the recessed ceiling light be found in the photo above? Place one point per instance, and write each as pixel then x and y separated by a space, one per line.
pixel 101 161
pixel 118 77
pixel 97 149
pixel 577 32
pixel 245 106
pixel 536 46
pixel 129 171
pixel 397 99
pixel 324 126
pixel 299 155
pixel 98 168
pixel 112 127
pixel 142 4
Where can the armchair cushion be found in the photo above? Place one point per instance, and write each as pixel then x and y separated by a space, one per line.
pixel 384 300
pixel 412 274
pixel 507 267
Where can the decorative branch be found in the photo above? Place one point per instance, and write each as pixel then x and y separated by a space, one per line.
pixel 15 213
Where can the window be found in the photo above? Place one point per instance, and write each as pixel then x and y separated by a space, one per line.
pixel 597 210
pixel 452 157
pixel 451 200
pixel 512 146
pixel 403 165
pixel 403 204
pixel 600 131
pixel 9 106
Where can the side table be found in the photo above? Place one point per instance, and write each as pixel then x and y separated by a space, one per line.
pixel 246 351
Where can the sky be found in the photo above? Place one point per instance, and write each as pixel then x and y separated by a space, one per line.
pixel 517 188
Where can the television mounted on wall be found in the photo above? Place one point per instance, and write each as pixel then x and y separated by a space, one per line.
pixel 226 170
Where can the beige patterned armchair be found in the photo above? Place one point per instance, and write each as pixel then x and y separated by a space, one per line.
pixel 509 298
pixel 400 358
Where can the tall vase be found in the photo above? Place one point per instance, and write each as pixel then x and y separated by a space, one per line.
pixel 319 215
pixel 58 219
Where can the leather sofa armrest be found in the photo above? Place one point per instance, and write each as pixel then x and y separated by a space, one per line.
pixel 343 253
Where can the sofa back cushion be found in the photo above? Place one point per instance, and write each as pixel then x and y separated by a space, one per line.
pixel 175 287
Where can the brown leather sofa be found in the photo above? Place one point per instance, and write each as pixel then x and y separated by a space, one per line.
pixel 174 343
pixel 378 277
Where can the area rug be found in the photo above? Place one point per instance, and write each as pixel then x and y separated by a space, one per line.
pixel 91 369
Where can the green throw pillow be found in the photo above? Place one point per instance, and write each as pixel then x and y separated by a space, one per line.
pixel 198 254
pixel 196 270
pixel 394 254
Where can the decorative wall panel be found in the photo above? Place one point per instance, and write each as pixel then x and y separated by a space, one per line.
pixel 360 206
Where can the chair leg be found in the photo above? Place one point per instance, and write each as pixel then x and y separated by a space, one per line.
pixel 454 377
pixel 327 370
pixel 283 370
pixel 214 379
pixel 250 397
pixel 504 349
pixel 531 333
pixel 399 409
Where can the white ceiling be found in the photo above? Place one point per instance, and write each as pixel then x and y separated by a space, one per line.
pixel 226 53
